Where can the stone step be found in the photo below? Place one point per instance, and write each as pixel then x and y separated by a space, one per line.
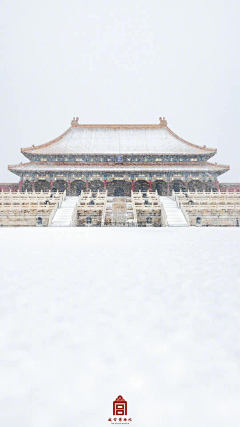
pixel 63 216
pixel 175 217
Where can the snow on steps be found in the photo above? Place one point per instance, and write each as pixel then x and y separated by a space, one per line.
pixel 63 215
pixel 175 217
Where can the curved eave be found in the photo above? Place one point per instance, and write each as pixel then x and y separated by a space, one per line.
pixel 208 150
pixel 34 148
pixel 31 149
pixel 223 168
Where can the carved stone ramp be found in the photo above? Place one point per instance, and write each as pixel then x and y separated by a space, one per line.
pixel 119 212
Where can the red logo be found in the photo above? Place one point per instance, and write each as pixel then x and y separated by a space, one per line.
pixel 120 406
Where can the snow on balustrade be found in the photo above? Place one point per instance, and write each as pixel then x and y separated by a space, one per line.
pixel 215 209
pixel 29 209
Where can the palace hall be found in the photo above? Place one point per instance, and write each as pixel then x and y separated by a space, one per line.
pixel 118 158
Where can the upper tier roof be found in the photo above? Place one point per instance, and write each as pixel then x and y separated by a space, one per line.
pixel 118 139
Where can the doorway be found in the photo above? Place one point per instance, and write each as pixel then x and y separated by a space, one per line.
pixel 118 192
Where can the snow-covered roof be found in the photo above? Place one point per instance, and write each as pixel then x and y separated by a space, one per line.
pixel 68 167
pixel 118 139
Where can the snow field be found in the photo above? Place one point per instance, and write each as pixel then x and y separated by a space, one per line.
pixel 151 314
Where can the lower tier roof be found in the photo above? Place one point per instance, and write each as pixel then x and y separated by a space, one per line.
pixel 76 167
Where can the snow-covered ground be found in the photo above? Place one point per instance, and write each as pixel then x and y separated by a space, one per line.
pixel 149 314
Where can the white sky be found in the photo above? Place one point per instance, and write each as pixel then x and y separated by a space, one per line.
pixel 127 61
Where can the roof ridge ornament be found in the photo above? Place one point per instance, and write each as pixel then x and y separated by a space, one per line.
pixel 163 122
pixel 74 121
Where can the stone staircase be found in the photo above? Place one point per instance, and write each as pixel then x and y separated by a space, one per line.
pixel 64 214
pixel 175 217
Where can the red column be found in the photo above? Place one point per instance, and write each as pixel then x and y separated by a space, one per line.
pixel 20 185
pixel 217 184
pixel 33 185
pixel 87 185
pixel 186 184
pixel 150 185
pixel 132 185
pixel 69 187
pixel 105 185
pixel 168 187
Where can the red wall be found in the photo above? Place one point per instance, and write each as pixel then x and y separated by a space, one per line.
pixel 229 186
pixel 9 186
